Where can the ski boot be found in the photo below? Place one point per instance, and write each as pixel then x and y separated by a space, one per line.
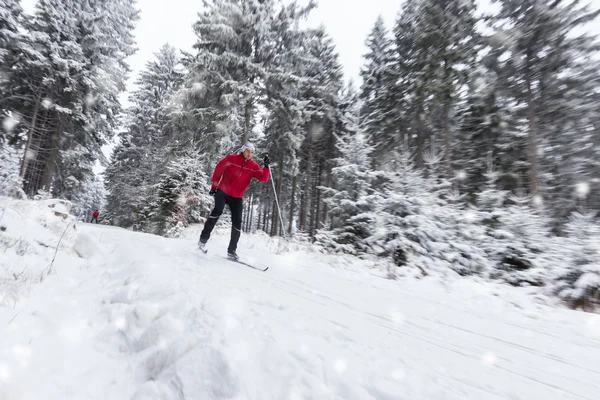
pixel 232 255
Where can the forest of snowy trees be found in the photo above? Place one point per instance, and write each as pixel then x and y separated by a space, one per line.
pixel 472 142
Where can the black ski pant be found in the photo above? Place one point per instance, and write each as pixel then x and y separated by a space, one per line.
pixel 236 207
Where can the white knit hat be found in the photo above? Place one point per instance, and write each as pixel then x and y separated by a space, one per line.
pixel 247 146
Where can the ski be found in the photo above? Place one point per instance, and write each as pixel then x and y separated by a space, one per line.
pixel 247 265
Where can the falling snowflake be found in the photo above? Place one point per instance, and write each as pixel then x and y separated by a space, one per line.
pixel 120 323
pixel 538 200
pixel 90 100
pixel 488 359
pixel 461 175
pixel 582 189
pixel 340 366
pixel 46 103
pixel 11 123
pixel 30 154
pixel 541 151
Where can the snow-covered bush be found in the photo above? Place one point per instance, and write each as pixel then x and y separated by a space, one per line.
pixel 30 233
pixel 517 239
pixel 577 282
pixel 419 227
pixel 10 181
pixel 182 195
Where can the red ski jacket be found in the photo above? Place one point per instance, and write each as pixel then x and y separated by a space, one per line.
pixel 233 175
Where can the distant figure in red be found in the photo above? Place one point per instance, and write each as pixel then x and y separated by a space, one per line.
pixel 95 216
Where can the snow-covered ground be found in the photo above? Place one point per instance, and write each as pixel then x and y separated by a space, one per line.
pixel 125 315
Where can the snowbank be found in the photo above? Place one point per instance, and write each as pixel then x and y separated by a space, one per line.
pixel 32 233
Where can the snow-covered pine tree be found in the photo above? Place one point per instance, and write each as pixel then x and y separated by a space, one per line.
pixel 124 200
pixel 144 151
pixel 578 281
pixel 44 87
pixel 285 116
pixel 485 131
pixel 89 197
pixel 379 109
pixel 517 241
pixel 568 109
pixel 417 228
pixel 10 182
pixel 541 53
pixel 352 200
pixel 105 36
pixel 412 92
pixel 11 17
pixel 225 83
pixel 446 34
pixel 182 194
pixel 65 87
pixel 321 92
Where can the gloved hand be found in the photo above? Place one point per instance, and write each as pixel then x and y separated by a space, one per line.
pixel 266 161
pixel 212 191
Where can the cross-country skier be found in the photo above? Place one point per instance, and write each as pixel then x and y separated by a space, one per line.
pixel 230 180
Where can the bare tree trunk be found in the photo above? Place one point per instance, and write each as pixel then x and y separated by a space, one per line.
pixel 447 149
pixel 420 138
pixel 247 121
pixel 267 217
pixel 328 174
pixel 292 206
pixel 314 203
pixel 50 165
pixel 308 174
pixel 38 150
pixel 265 212
pixel 532 143
pixel 274 224
pixel 317 211
pixel 259 219
pixel 28 150
pixel 251 216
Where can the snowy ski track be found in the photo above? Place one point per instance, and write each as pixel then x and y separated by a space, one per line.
pixel 159 320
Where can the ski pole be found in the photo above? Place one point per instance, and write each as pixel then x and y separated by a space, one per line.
pixel 278 208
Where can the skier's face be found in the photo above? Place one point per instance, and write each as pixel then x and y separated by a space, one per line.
pixel 248 154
